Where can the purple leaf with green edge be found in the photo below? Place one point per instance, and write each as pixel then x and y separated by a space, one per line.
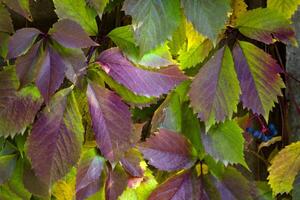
pixel 19 6
pixel 233 185
pixel 139 81
pixel 7 166
pixel 168 150
pixel 209 90
pixel 51 72
pixel 74 61
pixel 265 25
pixel 89 171
pixel 179 186
pixel 54 144
pixel 259 78
pixel 17 108
pixel 70 34
pixel 21 41
pixel 6 24
pixel 111 122
pixel 225 143
pixel 131 162
pixel 207 17
pixel 153 21
pixel 116 183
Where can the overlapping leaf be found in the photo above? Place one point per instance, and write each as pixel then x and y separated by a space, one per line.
pixel 153 21
pixel 265 25
pixel 208 17
pixel 168 151
pixel 111 122
pixel 116 183
pixel 98 5
pixel 17 108
pixel 139 81
pixel 284 169
pixel 89 171
pixel 259 78
pixel 5 20
pixel 7 166
pixel 54 144
pixel 225 143
pixel 19 6
pixel 286 7
pixel 215 91
pixel 131 162
pixel 77 11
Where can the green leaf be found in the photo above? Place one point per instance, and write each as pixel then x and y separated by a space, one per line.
pixel 98 5
pixel 225 143
pixel 284 168
pixel 209 93
pixel 264 24
pixel 5 20
pixel 286 7
pixel 78 11
pixel 296 188
pixel 263 191
pixel 208 17
pixel 178 37
pixel 153 21
pixel 7 166
pixel 4 38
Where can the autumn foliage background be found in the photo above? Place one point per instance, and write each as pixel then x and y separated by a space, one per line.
pixel 146 99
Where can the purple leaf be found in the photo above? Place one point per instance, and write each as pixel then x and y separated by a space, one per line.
pixel 168 151
pixel 111 122
pixel 51 73
pixel 20 7
pixel 70 34
pixel 259 78
pixel 131 163
pixel 178 187
pixel 5 20
pixel 21 41
pixel 54 144
pixel 88 178
pixel 17 108
pixel 142 82
pixel 116 183
pixel 26 64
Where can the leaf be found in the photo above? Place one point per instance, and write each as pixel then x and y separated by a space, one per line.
pixel 207 17
pixel 56 137
pixel 7 166
pixel 269 142
pixel 111 122
pixel 209 90
pixel 116 183
pixel 284 169
pixel 63 191
pixel 51 71
pixel 139 81
pixel 17 108
pixel 98 5
pixel 19 6
pixel 264 24
pixel 6 24
pixel 286 8
pixel 225 143
pixel 4 38
pixel 296 187
pixel 263 191
pixel 238 8
pixel 70 34
pixel 21 41
pixel 168 151
pixel 131 162
pixel 259 78
pixel 153 21
pixel 89 172
pixel 180 186
pixel 79 12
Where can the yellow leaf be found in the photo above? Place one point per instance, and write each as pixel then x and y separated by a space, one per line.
pixel 64 191
pixel 239 7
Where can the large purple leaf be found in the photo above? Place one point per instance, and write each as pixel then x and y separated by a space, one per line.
pixel 139 81
pixel 179 187
pixel 17 108
pixel 259 78
pixel 70 34
pixel 21 41
pixel 88 178
pixel 215 90
pixel 168 151
pixel 26 64
pixel 54 144
pixel 116 183
pixel 111 122
pixel 131 163
pixel 51 72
